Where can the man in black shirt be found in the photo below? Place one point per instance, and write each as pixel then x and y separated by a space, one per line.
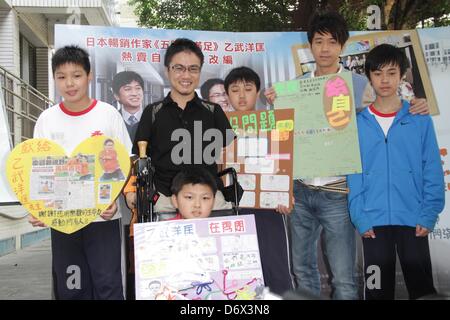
pixel 182 130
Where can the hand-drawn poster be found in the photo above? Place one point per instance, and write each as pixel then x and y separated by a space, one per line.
pixel 198 259
pixel 67 192
pixel 262 155
pixel 325 135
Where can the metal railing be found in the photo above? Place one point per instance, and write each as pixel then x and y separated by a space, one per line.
pixel 23 103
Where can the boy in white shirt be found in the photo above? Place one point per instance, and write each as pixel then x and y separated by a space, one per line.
pixel 91 255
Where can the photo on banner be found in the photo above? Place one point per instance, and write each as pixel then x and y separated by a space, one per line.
pixel 417 80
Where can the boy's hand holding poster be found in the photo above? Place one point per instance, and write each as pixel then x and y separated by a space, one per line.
pixel 263 156
pixel 325 135
pixel 198 259
pixel 67 192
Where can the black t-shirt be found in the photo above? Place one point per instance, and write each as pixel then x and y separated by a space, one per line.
pixel 196 119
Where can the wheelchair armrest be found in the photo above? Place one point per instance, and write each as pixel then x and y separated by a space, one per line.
pixel 233 191
pixel 229 170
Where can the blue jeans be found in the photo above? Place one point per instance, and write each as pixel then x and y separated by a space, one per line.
pixel 315 210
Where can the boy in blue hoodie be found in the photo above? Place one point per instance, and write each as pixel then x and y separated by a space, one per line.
pixel 394 203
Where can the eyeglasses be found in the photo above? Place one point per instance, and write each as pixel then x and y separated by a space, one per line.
pixel 179 69
pixel 218 95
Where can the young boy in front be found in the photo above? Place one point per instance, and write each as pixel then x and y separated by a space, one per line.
pixel 193 193
pixel 86 264
pixel 394 203
pixel 243 85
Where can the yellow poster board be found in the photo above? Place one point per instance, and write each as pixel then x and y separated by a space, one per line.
pixel 68 192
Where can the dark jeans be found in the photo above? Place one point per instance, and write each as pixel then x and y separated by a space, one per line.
pixel 314 211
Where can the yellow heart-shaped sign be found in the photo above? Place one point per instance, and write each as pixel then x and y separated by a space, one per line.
pixel 68 192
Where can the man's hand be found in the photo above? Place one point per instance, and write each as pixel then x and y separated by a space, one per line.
pixel 283 209
pixel 270 95
pixel 369 234
pixel 130 198
pixel 35 222
pixel 419 106
pixel 421 231
pixel 109 212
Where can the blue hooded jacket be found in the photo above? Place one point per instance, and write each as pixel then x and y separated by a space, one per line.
pixel 402 182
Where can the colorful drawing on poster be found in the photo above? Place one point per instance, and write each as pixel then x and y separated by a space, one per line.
pixel 65 192
pixel 198 259
pixel 325 135
pixel 264 147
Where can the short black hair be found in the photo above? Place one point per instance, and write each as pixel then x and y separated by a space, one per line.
pixel 242 74
pixel 108 140
pixel 207 85
pixel 383 55
pixel 180 45
pixel 328 22
pixel 125 77
pixel 71 54
pixel 193 175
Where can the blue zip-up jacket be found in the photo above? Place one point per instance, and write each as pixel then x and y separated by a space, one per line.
pixel 402 181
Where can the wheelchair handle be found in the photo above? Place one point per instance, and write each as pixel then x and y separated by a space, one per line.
pixel 142 145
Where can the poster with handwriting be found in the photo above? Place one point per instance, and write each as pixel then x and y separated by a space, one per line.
pixel 325 133
pixel 67 192
pixel 198 259
pixel 262 156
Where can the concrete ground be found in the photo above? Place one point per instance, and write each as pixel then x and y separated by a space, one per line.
pixel 26 274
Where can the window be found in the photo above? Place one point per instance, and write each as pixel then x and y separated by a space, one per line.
pixel 27 61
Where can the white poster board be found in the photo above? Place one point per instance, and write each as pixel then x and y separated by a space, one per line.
pixel 198 259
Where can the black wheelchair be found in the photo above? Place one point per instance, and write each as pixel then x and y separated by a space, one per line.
pixel 271 227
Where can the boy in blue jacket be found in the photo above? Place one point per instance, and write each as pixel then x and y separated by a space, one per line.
pixel 394 203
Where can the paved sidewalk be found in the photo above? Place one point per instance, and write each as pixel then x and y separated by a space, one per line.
pixel 26 274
